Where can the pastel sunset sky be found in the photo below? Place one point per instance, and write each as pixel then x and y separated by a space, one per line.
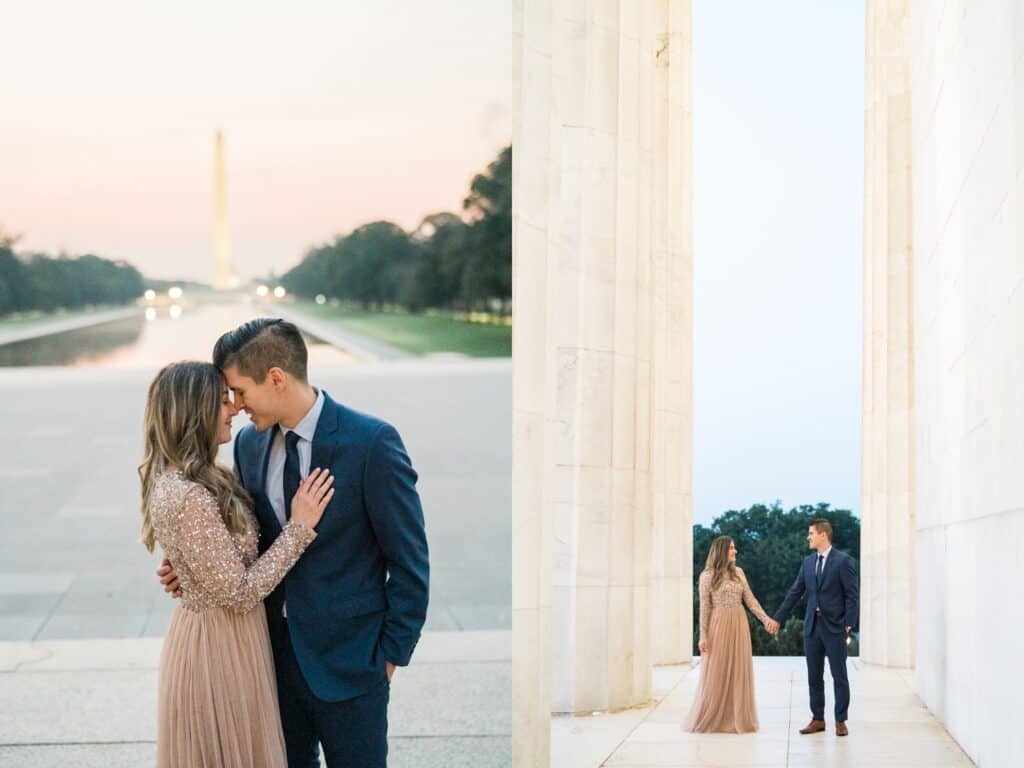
pixel 334 114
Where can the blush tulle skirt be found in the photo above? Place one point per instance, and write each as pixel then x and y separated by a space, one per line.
pixel 217 693
pixel 725 695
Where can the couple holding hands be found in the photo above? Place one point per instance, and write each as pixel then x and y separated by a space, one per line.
pixel 725 697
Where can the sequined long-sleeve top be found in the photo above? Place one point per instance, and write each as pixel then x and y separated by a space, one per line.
pixel 729 593
pixel 215 567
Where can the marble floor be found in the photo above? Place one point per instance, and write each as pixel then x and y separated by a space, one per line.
pixel 92 703
pixel 889 726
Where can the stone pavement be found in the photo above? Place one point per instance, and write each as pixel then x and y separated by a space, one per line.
pixel 92 703
pixel 71 566
pixel 889 726
pixel 81 612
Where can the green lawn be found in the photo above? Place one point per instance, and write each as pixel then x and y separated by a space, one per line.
pixel 419 334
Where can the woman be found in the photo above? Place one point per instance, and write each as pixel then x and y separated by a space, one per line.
pixel 725 696
pixel 217 699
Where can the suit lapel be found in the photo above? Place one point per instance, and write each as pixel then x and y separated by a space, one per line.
pixel 324 442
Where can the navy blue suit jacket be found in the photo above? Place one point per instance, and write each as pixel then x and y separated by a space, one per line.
pixel 357 598
pixel 838 595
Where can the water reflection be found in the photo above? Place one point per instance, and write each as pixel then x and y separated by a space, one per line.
pixel 88 346
pixel 149 340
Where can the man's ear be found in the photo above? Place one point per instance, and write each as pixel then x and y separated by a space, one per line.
pixel 277 377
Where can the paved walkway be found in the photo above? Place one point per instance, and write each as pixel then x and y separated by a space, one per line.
pixel 92 703
pixel 889 726
pixel 82 615
pixel 71 566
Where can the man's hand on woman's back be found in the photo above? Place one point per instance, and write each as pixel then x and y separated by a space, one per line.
pixel 169 578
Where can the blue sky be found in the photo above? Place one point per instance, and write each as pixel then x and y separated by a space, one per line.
pixel 778 200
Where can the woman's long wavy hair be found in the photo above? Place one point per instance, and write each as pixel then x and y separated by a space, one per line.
pixel 718 562
pixel 182 424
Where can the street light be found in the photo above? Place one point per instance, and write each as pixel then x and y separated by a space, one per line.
pixel 321 299
pixel 150 294
pixel 174 292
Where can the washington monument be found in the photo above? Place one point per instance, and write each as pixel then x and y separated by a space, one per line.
pixel 224 277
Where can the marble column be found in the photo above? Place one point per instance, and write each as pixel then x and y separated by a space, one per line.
pixel 535 178
pixel 672 363
pixel 888 503
pixel 601 353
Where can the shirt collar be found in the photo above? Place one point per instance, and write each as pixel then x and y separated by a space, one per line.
pixel 825 553
pixel 306 428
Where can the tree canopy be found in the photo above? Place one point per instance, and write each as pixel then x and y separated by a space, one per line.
pixel 448 262
pixel 41 282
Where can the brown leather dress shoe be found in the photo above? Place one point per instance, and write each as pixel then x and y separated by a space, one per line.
pixel 841 729
pixel 815 726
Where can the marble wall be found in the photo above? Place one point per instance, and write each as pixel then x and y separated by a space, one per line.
pixel 967 116
pixel 602 356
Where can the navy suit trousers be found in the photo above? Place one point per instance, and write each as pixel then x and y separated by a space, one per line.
pixel 353 732
pixel 818 646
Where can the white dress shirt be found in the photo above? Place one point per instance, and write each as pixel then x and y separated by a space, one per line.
pixel 305 429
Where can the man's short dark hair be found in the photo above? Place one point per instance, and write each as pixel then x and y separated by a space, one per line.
pixel 823 526
pixel 259 345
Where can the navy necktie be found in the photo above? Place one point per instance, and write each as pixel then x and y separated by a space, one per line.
pixel 817 573
pixel 292 476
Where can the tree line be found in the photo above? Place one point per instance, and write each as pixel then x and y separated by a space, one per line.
pixel 450 261
pixel 771 543
pixel 40 282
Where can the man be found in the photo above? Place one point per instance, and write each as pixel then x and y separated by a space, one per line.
pixel 352 608
pixel 833 610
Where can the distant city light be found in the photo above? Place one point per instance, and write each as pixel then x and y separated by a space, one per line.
pixel 150 294
pixel 279 292
pixel 150 313
pixel 321 299
pixel 262 290
pixel 174 292
pixel 175 311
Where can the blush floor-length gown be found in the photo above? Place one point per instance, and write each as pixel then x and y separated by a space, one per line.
pixel 725 695
pixel 217 693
